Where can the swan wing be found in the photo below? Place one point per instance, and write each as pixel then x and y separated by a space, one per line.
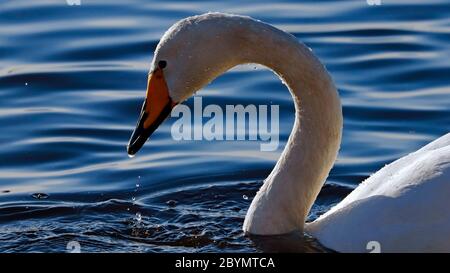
pixel 405 207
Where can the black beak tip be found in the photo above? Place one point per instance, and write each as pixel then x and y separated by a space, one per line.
pixel 130 151
pixel 138 138
pixel 141 134
pixel 136 142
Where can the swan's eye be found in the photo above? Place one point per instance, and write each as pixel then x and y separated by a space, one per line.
pixel 162 64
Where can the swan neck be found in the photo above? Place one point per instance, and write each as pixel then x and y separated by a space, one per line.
pixel 286 197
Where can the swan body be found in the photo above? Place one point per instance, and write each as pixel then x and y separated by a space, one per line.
pixel 403 207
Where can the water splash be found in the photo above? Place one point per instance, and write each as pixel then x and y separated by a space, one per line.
pixel 138 217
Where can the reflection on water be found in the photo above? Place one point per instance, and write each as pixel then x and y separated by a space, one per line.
pixel 290 243
pixel 72 80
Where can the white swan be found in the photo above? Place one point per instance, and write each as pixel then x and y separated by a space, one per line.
pixel 403 207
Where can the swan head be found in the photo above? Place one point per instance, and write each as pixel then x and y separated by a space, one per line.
pixel 189 55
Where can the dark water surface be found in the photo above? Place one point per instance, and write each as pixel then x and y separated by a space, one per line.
pixel 72 80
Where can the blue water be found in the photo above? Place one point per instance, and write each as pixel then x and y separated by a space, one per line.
pixel 72 80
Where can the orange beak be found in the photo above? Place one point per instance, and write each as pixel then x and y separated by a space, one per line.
pixel 157 107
